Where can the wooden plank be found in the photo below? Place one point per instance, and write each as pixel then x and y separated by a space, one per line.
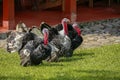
pixel 91 3
pixel 8 14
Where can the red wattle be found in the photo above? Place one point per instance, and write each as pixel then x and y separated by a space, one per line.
pixel 65 27
pixel 78 30
pixel 45 38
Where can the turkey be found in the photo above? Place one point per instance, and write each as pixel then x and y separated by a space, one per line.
pixel 29 46
pixel 18 38
pixel 34 52
pixel 60 43
pixel 52 31
pixel 76 38
pixel 37 50
pixel 66 23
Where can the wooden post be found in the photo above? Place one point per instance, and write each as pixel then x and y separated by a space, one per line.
pixel 8 14
pixel 23 4
pixel 91 3
pixel 69 8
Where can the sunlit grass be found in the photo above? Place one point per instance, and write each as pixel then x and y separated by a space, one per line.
pixel 102 63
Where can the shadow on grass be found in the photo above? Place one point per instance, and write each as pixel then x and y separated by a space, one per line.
pixel 48 64
pixel 77 56
pixel 90 75
pixel 52 64
pixel 70 59
pixel 84 54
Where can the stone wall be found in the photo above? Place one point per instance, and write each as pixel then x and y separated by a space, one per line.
pixel 100 33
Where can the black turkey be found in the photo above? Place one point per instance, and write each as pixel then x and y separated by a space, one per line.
pixel 34 52
pixel 18 39
pixel 76 38
pixel 60 43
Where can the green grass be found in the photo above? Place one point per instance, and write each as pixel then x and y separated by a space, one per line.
pixel 101 63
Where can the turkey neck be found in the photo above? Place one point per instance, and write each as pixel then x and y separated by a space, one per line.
pixel 65 27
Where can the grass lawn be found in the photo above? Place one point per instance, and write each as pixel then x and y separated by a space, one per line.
pixel 101 63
